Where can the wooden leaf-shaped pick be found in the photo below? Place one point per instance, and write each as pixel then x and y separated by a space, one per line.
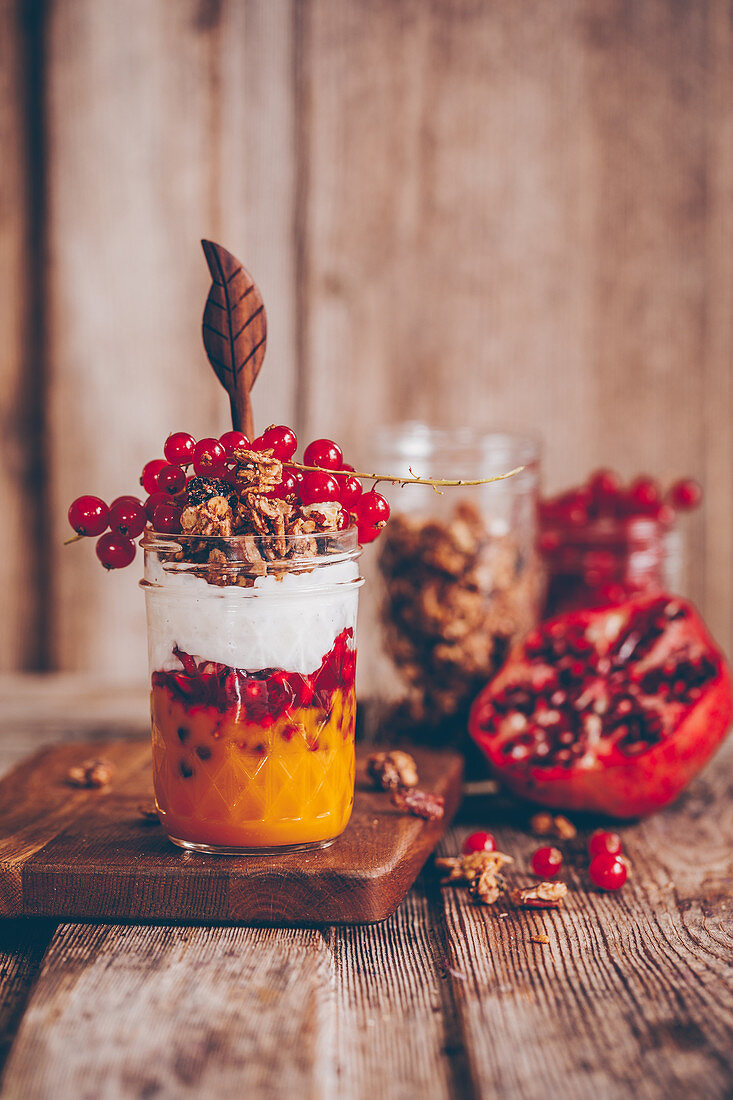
pixel 234 330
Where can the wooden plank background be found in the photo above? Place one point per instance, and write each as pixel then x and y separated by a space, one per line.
pixel 506 215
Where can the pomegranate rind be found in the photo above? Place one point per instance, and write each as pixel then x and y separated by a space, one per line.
pixel 606 781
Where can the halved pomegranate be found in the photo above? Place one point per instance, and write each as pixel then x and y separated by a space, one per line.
pixel 612 710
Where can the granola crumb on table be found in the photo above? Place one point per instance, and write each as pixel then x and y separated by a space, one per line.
pixel 423 804
pixel 392 769
pixel 92 773
pixel 544 895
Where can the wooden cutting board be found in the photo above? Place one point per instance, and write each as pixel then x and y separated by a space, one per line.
pixel 88 854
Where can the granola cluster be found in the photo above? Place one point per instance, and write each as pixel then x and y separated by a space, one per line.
pixel 247 509
pixel 457 595
pixel 91 773
pixel 481 873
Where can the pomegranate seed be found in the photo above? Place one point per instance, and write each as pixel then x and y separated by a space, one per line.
pixel 127 519
pixel 546 862
pixel 318 486
pixel 282 441
pixel 324 453
pixel 115 551
pixel 88 515
pixel 153 501
pixel 643 493
pixel 232 441
pixel 602 841
pixel 167 519
pixel 149 476
pixel 171 479
pixel 479 842
pixel 607 871
pixel 350 489
pixel 372 509
pixel 179 447
pixel 208 458
pixel 685 494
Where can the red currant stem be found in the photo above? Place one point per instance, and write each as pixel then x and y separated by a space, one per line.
pixel 409 480
pixel 74 538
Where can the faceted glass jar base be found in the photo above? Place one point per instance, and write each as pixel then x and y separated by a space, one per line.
pixel 220 850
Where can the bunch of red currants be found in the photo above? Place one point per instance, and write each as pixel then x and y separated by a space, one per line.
pixel 322 477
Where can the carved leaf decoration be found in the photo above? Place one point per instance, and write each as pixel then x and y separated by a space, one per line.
pixel 234 329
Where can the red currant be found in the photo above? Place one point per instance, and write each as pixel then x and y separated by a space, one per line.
pixel 603 841
pixel 88 515
pixel 605 487
pixel 318 486
pixel 324 453
pixel 171 479
pixel 343 520
pixel 350 489
pixel 367 534
pixel 125 500
pixel 479 842
pixel 149 476
pixel 608 871
pixel 167 519
pixel 546 862
pixel 685 494
pixel 127 519
pixel 288 489
pixel 372 509
pixel 208 457
pixel 281 440
pixel 179 448
pixel 153 501
pixel 643 494
pixel 115 551
pixel 233 441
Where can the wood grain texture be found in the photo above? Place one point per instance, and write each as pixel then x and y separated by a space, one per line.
pixel 88 854
pixel 631 996
pixel 143 121
pixel 134 1012
pixel 20 378
pixel 509 223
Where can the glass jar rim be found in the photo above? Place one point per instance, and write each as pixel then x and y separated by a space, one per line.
pixel 247 555
pixel 415 439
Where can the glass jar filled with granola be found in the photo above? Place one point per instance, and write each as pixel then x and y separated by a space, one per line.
pixel 252 648
pixel 460 577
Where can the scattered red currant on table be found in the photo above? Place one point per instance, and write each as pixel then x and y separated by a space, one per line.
pixel 546 862
pixel 608 871
pixel 479 842
pixel 603 841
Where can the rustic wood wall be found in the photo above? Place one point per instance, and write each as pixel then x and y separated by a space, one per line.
pixel 502 214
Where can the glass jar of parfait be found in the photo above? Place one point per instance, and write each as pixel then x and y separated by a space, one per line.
pixel 252 650
pixel 459 577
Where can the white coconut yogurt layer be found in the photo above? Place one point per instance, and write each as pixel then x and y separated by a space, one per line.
pixel 291 623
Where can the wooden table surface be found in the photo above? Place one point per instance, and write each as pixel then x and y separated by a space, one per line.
pixel 631 996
